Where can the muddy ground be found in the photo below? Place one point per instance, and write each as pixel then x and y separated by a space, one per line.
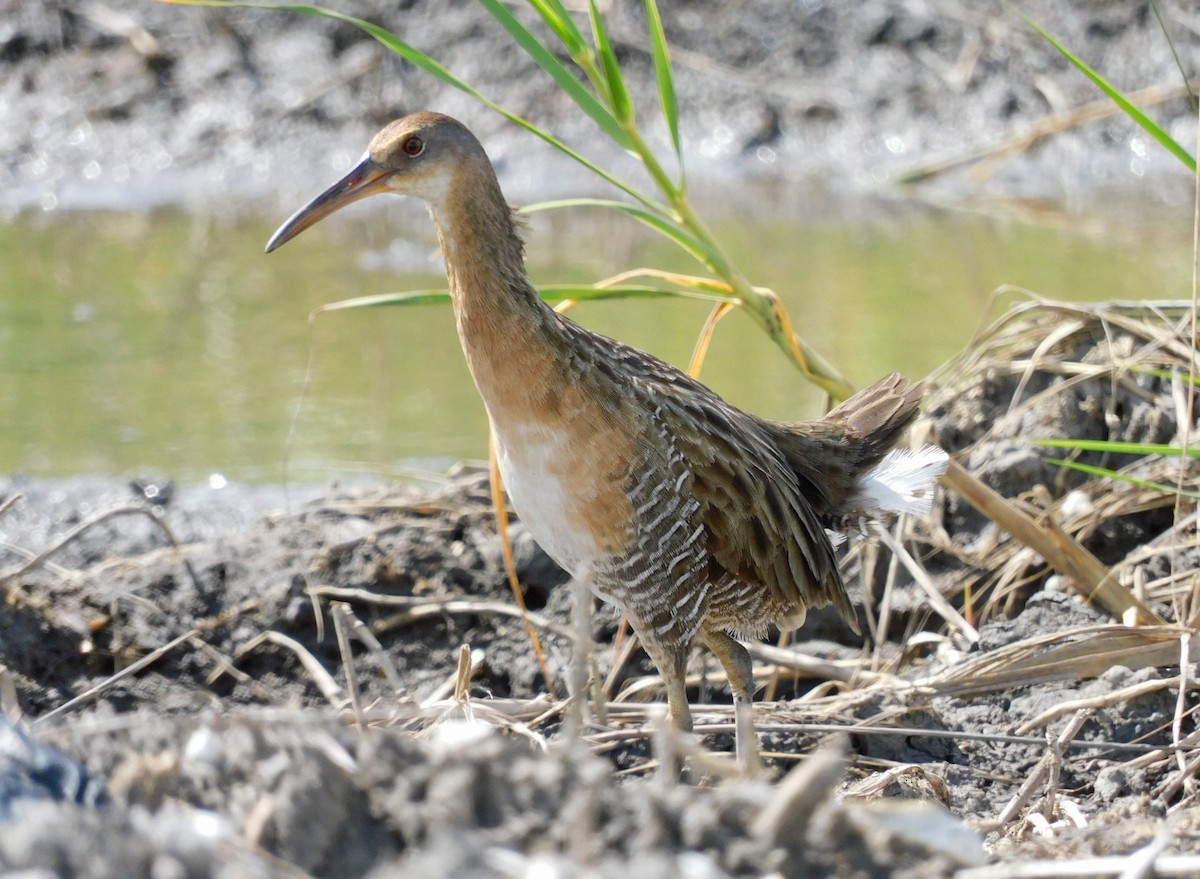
pixel 189 709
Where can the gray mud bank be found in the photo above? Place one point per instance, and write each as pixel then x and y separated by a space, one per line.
pixel 103 106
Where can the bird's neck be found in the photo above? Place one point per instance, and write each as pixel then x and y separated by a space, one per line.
pixel 511 338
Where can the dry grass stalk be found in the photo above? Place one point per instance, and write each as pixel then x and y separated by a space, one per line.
pixel 35 561
pixel 1047 766
pixel 364 634
pixel 1027 340
pixel 1117 697
pixel 991 155
pixel 1075 654
pixel 418 609
pixel 129 670
pixel 947 612
pixel 341 630
pixel 453 683
pixel 321 678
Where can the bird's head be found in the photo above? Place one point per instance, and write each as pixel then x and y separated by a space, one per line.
pixel 418 155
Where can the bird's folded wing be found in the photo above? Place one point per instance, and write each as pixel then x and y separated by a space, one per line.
pixel 760 526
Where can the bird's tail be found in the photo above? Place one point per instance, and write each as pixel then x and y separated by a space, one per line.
pixel 847 465
pixel 901 483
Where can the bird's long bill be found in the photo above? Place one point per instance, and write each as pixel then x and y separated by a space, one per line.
pixel 366 178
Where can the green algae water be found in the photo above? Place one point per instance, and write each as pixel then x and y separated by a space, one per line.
pixel 167 344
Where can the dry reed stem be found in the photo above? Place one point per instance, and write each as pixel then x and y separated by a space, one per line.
pixel 1022 339
pixel 1061 551
pixel 994 152
pixel 1074 654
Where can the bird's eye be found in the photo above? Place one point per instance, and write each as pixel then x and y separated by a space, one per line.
pixel 414 146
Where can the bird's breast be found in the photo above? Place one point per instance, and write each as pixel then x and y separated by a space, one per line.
pixel 543 494
pixel 566 481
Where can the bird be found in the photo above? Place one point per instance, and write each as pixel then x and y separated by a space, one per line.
pixel 699 521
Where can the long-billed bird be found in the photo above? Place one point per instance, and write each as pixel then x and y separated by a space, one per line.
pixel 698 520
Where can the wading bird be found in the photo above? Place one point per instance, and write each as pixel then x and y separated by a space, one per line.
pixel 698 520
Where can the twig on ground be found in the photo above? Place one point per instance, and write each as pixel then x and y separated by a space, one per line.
pixel 1052 756
pixel 129 670
pixel 323 679
pixel 423 608
pixel 83 527
pixel 1116 697
pixel 340 629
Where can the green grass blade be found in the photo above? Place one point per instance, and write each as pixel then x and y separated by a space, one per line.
pixel 654 219
pixel 548 292
pixel 618 94
pixel 1164 374
pixel 1148 125
pixel 556 17
pixel 1124 477
pixel 1119 448
pixel 666 80
pixel 562 77
pixel 380 300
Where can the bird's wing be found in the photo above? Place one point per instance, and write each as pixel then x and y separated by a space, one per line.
pixel 760 526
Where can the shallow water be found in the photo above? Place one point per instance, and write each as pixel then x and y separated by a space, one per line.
pixel 164 343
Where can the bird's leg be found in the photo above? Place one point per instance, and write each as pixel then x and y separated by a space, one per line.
pixel 674 672
pixel 671 662
pixel 740 670
pixel 577 674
